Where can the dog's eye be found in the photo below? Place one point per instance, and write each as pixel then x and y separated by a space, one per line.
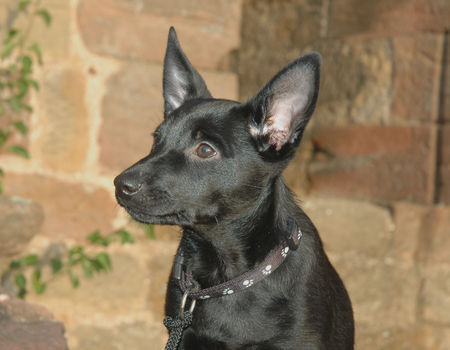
pixel 205 151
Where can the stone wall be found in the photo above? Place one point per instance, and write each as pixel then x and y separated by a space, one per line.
pixel 379 144
pixel 373 170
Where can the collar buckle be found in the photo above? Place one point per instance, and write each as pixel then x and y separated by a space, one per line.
pixel 294 235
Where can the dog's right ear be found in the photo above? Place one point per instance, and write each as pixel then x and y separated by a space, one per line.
pixel 181 81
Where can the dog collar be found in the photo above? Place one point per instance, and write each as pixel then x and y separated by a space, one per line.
pixel 190 287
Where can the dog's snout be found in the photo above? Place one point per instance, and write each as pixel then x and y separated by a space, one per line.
pixel 127 186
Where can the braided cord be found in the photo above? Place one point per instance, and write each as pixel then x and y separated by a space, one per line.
pixel 176 326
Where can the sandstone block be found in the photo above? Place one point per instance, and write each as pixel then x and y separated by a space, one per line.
pixel 387 18
pixel 379 290
pixel 208 30
pixel 136 336
pixel 422 234
pixel 445 107
pixel 113 294
pixel 402 338
pixel 373 162
pixel 20 220
pixel 70 210
pixel 434 236
pixel 351 226
pixel 406 241
pixel 443 170
pixel 273 33
pixel 28 326
pixel 133 108
pixel 417 77
pixel 63 141
pixel 436 296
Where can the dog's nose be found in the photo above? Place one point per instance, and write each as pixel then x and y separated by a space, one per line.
pixel 127 186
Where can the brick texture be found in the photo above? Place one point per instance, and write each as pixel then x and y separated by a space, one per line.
pixel 443 175
pixel 28 326
pixel 209 30
pixel 373 162
pixel 445 93
pixel 63 141
pixel 386 17
pixel 20 220
pixel 416 77
pixel 70 210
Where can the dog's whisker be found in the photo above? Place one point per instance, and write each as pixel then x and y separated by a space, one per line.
pixel 253 186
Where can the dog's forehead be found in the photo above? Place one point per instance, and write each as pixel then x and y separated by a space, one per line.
pixel 201 114
pixel 213 108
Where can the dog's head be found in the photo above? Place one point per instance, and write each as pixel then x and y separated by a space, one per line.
pixel 214 158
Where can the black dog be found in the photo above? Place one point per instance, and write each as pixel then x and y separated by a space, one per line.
pixel 215 170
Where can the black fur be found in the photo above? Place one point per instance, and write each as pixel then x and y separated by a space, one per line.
pixel 234 208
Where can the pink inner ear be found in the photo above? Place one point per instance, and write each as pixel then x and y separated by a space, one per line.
pixel 284 118
pixel 279 125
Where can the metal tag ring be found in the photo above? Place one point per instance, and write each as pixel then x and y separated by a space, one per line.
pixel 183 304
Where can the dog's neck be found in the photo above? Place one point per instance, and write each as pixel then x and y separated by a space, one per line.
pixel 219 252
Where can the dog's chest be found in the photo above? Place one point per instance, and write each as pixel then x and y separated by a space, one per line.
pixel 249 317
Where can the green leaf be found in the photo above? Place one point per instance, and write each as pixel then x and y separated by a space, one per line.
pixel 34 84
pixel 4 136
pixel 21 294
pixel 20 280
pixel 26 107
pixel 76 254
pixel 14 103
pixel 56 265
pixel 104 260
pixel 87 268
pixel 8 47
pixel 27 63
pixel 38 286
pixel 11 35
pixel 23 4
pixel 21 127
pixel 30 260
pixel 74 279
pixel 96 266
pixel 15 264
pixel 36 48
pixel 2 110
pixel 1 187
pixel 36 275
pixel 97 238
pixel 125 236
pixel 150 231
pixel 45 15
pixel 20 151
pixel 2 173
pixel 23 89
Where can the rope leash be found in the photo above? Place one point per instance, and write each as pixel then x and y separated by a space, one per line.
pixel 176 326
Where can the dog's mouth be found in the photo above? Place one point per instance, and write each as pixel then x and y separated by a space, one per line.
pixel 156 209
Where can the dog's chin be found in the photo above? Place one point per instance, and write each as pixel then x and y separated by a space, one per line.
pixel 154 216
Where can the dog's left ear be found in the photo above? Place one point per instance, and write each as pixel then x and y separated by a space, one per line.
pixel 181 81
pixel 281 109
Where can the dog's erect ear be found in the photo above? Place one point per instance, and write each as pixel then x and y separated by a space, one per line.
pixel 281 109
pixel 181 81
